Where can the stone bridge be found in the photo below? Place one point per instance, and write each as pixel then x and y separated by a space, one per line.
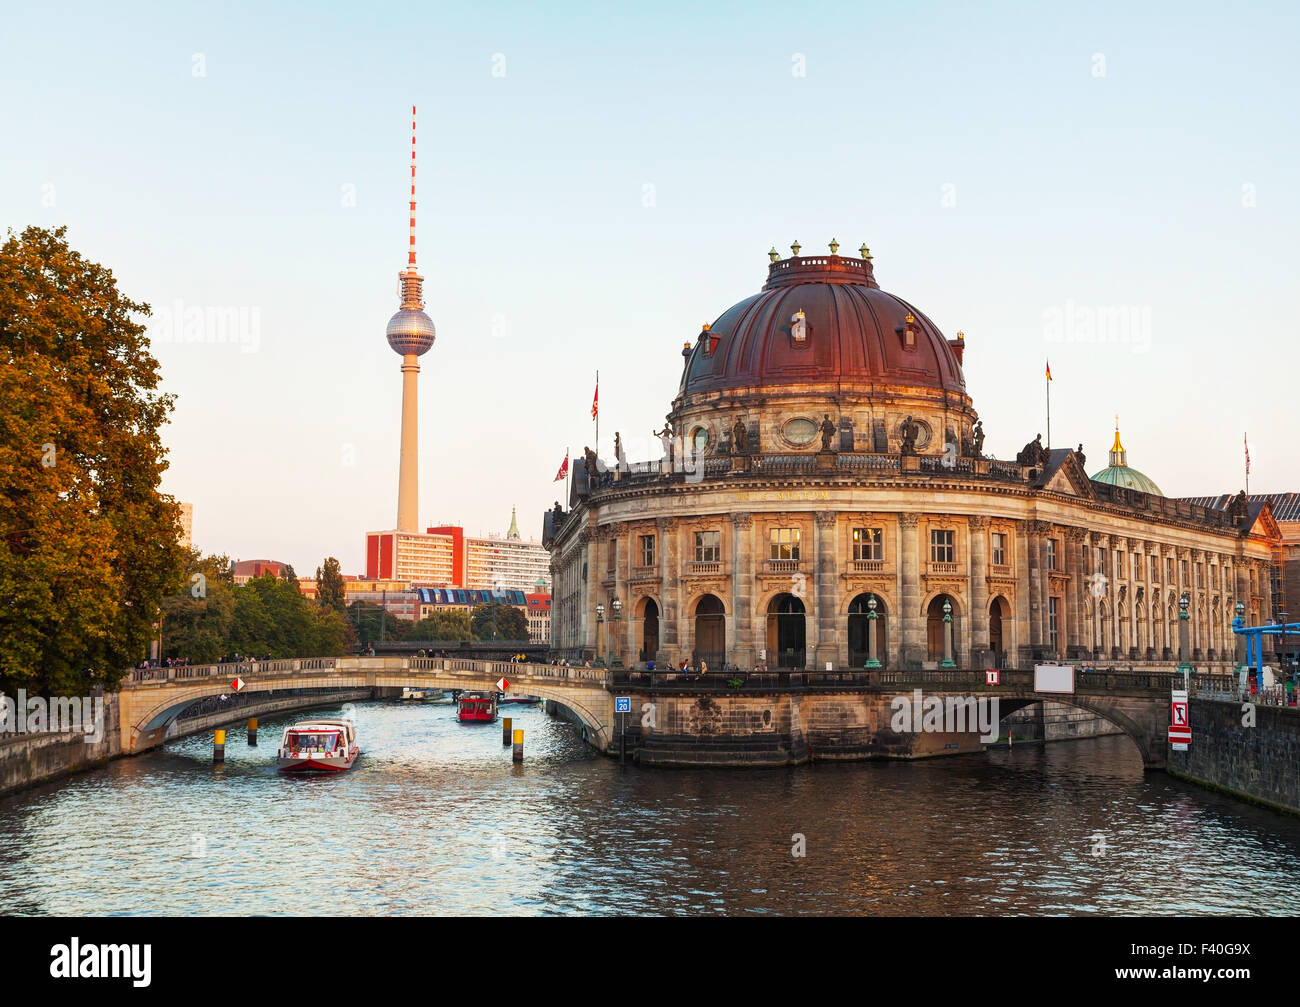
pixel 152 698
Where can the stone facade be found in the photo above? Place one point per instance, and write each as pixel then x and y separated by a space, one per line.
pixel 1256 763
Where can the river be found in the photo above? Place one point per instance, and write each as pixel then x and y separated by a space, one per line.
pixel 435 818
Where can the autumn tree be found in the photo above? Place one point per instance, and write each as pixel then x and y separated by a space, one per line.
pixel 88 544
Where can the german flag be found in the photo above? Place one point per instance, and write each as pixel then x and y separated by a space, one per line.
pixel 1049 370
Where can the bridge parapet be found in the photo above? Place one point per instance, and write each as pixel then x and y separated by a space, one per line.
pixel 1136 683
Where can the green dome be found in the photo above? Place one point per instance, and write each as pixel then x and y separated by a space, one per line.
pixel 1118 472
pixel 1130 478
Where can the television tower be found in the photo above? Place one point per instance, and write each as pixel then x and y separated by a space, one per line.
pixel 410 333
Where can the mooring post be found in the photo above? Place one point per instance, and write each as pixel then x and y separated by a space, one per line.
pixel 505 730
pixel 252 731
pixel 219 746
pixel 519 745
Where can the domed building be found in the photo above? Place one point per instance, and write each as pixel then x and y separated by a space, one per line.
pixel 826 501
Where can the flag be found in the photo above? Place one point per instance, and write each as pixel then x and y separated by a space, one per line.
pixel 595 401
pixel 564 469
pixel 1247 447
pixel 1049 370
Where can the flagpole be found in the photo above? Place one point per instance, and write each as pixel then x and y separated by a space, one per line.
pixel 1049 406
pixel 598 414
pixel 1246 445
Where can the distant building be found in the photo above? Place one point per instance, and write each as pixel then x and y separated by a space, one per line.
pixel 247 569
pixel 539 618
pixel 396 596
pixel 187 525
pixel 444 556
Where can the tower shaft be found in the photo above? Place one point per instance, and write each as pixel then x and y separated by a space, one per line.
pixel 408 473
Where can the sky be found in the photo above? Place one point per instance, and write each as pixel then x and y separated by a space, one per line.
pixel 1107 186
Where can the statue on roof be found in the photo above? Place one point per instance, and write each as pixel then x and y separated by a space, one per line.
pixel 739 438
pixel 1083 459
pixel 828 432
pixel 909 432
pixel 1240 505
pixel 979 439
pixel 590 461
pixel 1033 453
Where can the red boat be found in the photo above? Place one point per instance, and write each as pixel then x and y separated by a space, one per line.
pixel 477 707
pixel 318 746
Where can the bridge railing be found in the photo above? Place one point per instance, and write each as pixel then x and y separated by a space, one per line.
pixel 1023 680
pixel 232 669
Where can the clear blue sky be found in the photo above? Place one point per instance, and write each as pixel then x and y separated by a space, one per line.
pixel 1003 164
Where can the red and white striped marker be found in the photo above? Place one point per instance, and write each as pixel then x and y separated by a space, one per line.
pixel 237 684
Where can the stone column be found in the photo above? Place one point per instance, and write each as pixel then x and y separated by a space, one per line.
pixel 1033 533
pixel 590 587
pixel 977 645
pixel 668 612
pixel 1075 543
pixel 744 651
pixel 1042 534
pixel 912 645
pixel 1023 613
pixel 827 646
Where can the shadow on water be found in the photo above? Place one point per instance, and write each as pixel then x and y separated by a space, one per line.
pixel 435 817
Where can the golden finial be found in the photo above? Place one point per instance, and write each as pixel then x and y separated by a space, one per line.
pixel 795 247
pixel 835 247
pixel 909 319
pixel 864 251
pixel 961 335
pixel 772 254
pixel 706 326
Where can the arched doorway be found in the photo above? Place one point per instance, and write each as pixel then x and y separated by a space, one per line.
pixel 999 609
pixel 710 632
pixel 649 631
pixel 859 630
pixel 785 632
pixel 934 627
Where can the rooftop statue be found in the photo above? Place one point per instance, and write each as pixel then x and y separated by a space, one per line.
pixel 909 431
pixel 828 432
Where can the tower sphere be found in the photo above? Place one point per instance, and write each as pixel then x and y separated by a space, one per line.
pixel 411 331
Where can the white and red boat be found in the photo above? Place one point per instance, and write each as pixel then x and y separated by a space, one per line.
pixel 318 746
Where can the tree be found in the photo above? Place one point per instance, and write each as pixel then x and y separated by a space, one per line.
pixel 88 545
pixel 510 623
pixel 330 589
pixel 442 624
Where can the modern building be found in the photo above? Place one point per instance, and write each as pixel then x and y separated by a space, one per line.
pixel 508 563
pixel 187 525
pixel 423 558
pixel 827 499
pixel 396 596
pixel 246 569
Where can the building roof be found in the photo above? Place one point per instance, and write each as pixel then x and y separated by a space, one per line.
pixel 538 602
pixel 1285 506
pixel 854 332
pixel 468 596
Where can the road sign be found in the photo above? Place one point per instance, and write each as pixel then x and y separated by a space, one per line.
pixel 237 684
pixel 1180 728
pixel 992 677
pixel 622 704
pixel 502 684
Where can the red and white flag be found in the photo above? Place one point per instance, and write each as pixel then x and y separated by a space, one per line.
pixel 564 470
pixel 595 400
pixel 1247 447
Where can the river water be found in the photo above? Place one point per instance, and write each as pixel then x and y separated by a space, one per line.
pixel 435 818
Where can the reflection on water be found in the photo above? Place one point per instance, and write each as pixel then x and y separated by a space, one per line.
pixel 435 818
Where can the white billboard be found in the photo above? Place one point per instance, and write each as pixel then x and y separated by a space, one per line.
pixel 1054 678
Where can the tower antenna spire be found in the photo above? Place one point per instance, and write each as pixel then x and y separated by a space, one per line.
pixel 410 259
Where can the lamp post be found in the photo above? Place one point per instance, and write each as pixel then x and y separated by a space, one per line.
pixel 617 606
pixel 1240 623
pixel 947 661
pixel 872 660
pixel 600 622
pixel 1184 635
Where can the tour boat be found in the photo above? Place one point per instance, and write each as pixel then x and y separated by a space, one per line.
pixel 420 694
pixel 318 746
pixel 530 700
pixel 477 707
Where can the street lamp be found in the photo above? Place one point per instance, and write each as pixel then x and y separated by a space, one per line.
pixel 1240 623
pixel 872 660
pixel 1184 634
pixel 617 606
pixel 947 661
pixel 600 621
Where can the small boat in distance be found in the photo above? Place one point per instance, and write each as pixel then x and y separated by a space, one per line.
pixel 318 746
pixel 529 700
pixel 418 694
pixel 476 707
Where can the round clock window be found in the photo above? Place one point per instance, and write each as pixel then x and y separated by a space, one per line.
pixel 800 431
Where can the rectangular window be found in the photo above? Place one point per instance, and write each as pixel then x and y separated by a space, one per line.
pixel 647 550
pixel 708 547
pixel 868 544
pixel 1051 554
pixel 1155 569
pixel 1119 564
pixel 1169 569
pixel 1051 621
pixel 999 548
pixel 1182 565
pixel 942 549
pixel 1137 567
pixel 1200 575
pixel 785 543
pixel 613 553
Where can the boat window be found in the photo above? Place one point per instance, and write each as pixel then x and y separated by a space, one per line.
pixel 322 742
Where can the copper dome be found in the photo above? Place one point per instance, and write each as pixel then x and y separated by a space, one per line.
pixel 854 333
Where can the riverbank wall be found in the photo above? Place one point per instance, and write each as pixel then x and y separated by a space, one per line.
pixel 1245 750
